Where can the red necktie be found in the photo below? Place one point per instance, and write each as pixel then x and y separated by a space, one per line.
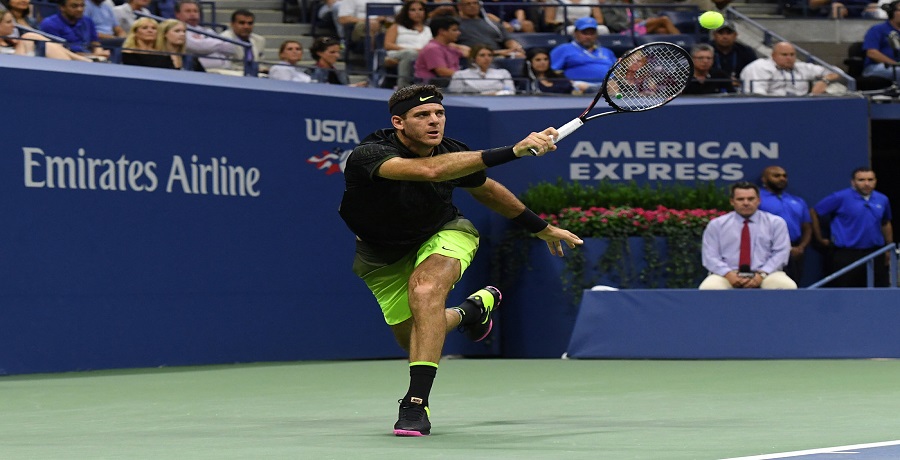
pixel 745 245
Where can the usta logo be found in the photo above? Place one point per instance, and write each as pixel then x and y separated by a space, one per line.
pixel 340 131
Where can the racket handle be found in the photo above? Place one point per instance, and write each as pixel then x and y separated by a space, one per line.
pixel 564 131
pixel 567 129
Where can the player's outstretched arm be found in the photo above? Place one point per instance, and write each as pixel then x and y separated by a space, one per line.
pixel 555 237
pixel 446 167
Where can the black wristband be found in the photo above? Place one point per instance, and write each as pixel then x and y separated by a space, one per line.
pixel 498 156
pixel 531 221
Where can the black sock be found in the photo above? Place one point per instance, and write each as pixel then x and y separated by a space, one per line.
pixel 469 311
pixel 421 377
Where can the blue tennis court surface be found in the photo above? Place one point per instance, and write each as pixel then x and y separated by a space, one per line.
pixel 888 450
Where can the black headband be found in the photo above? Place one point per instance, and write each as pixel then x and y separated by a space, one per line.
pixel 426 97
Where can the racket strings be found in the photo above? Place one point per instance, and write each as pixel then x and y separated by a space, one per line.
pixel 649 77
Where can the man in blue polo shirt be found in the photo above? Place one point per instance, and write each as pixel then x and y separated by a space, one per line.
pixel 860 224
pixel 882 45
pixel 582 60
pixel 78 30
pixel 793 210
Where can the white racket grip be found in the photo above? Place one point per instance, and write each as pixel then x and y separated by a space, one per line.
pixel 567 129
pixel 564 131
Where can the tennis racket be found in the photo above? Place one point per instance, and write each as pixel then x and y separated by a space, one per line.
pixel 645 78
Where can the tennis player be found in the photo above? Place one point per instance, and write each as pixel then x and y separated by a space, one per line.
pixel 412 243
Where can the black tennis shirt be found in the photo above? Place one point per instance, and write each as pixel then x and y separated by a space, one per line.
pixel 396 212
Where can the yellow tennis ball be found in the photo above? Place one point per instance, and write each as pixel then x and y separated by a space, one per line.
pixel 712 20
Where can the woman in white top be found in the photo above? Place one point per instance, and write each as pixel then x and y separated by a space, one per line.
pixel 405 38
pixel 291 52
pixel 481 78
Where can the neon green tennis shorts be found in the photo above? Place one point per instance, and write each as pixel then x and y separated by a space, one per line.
pixel 390 282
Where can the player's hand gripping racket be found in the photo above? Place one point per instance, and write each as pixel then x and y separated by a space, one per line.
pixel 645 78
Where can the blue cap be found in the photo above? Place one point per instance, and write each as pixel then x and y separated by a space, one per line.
pixel 585 23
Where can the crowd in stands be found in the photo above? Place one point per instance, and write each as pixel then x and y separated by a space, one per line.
pixel 445 43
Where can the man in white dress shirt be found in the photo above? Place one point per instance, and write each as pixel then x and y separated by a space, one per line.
pixel 214 53
pixel 782 75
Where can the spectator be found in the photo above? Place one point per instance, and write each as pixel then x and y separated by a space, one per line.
pixel 881 55
pixel 76 29
pixel 21 11
pixel 559 19
pixel 782 75
pixel 24 44
pixel 707 80
pixel 172 38
pixel 747 247
pixel 405 38
pixel 108 30
pixel 353 13
pixel 514 19
pixel 140 45
pixel 481 78
pixel 291 53
pixel 242 29
pixel 860 224
pixel 477 28
pixel 125 12
pixel 794 211
pixel 637 20
pixel 326 51
pixel 440 57
pixel 730 56
pixel 214 53
pixel 544 79
pixel 582 60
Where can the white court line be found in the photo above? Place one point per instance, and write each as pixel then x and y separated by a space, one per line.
pixel 825 450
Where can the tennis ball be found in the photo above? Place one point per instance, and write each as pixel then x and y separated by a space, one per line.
pixel 712 20
pixel 619 96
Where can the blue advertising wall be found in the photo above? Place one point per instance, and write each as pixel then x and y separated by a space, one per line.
pixel 168 218
pixel 757 324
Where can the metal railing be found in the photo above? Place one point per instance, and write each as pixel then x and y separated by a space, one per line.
pixel 869 260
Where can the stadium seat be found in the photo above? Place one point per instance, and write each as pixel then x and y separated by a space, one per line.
pixel 854 62
pixel 685 41
pixel 618 44
pixel 539 40
pixel 515 66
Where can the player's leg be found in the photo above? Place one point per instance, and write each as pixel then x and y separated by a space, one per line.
pixel 403 330
pixel 429 285
pixel 440 263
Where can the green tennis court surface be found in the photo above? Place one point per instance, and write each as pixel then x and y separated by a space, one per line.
pixel 481 409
